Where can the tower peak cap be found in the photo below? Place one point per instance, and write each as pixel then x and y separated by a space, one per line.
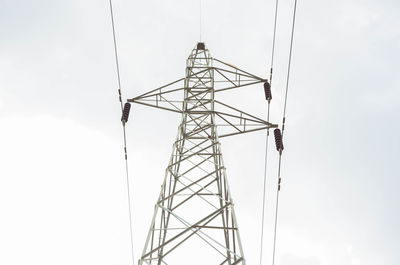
pixel 201 46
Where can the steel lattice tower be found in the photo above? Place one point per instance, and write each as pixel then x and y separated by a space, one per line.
pixel 194 219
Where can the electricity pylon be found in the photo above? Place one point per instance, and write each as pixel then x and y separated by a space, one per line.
pixel 194 220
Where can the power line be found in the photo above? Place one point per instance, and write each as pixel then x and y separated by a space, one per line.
pixel 267 137
pixel 201 14
pixel 116 55
pixel 124 131
pixel 273 40
pixel 264 190
pixel 283 129
pixel 289 64
pixel 276 208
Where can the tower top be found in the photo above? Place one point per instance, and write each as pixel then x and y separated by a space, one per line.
pixel 201 46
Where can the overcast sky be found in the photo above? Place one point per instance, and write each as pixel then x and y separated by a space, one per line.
pixel 62 184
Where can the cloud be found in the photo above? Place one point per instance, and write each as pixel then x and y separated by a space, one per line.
pixel 293 259
pixel 62 193
pixel 62 186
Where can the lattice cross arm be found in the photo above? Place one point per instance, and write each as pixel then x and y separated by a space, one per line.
pixel 167 97
pixel 232 77
pixel 232 121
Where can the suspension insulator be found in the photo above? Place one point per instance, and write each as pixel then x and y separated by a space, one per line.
pixel 267 90
pixel 125 112
pixel 278 139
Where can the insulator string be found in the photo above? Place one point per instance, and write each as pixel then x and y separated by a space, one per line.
pixel 124 131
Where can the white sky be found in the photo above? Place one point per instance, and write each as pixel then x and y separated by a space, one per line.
pixel 62 185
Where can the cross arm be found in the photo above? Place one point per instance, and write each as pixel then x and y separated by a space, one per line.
pixel 161 97
pixel 233 76
pixel 234 121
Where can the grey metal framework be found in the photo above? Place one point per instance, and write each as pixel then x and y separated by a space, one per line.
pixel 194 219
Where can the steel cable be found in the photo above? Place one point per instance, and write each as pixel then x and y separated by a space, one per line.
pixel 267 137
pixel 283 129
pixel 124 131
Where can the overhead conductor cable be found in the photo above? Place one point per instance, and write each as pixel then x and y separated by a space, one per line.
pixel 268 97
pixel 279 135
pixel 125 109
